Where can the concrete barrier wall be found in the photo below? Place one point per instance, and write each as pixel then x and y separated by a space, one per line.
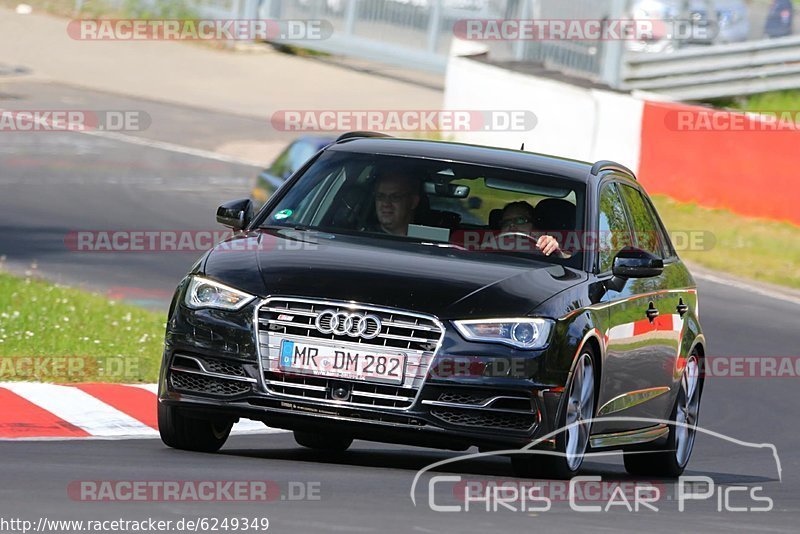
pixel 751 172
pixel 574 122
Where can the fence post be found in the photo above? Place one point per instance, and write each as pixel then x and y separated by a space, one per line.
pixel 613 50
pixel 434 25
pixel 350 14
pixel 520 46
pixel 250 10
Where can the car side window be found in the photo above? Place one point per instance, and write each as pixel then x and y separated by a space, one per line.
pixel 669 250
pixel 646 230
pixel 613 226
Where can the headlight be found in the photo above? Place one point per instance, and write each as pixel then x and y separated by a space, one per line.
pixel 205 293
pixel 523 333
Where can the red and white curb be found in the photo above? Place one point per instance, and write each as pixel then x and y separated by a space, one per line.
pixel 33 410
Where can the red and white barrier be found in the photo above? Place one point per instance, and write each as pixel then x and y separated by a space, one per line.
pixel 33 410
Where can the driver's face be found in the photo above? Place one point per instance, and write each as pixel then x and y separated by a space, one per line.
pixel 395 202
pixel 516 219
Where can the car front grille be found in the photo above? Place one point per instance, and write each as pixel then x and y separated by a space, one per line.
pixel 485 419
pixel 463 398
pixel 318 388
pixel 193 373
pixel 224 368
pixel 483 409
pixel 196 383
pixel 402 332
pixel 209 365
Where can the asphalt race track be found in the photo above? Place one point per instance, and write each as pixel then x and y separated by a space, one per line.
pixel 55 183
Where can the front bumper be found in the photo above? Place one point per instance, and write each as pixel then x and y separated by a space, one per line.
pixel 212 367
pixel 444 415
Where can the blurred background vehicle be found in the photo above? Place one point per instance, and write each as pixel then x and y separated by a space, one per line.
pixel 291 159
pixel 695 22
pixel 732 19
pixel 779 19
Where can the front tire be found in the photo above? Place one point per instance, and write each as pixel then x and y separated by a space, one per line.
pixel 181 432
pixel 576 415
pixel 671 459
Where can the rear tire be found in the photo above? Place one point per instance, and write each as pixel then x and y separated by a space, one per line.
pixel 670 459
pixel 571 444
pixel 322 442
pixel 181 432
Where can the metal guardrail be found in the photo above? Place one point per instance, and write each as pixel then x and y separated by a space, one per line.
pixel 596 60
pixel 716 71
pixel 410 33
pixel 417 34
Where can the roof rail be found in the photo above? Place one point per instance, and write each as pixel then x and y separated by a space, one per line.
pixel 606 165
pixel 354 135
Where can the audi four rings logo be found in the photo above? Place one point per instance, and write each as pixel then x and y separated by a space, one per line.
pixel 367 326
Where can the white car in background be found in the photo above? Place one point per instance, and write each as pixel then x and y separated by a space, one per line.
pixel 691 22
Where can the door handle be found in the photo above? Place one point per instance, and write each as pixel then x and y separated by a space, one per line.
pixel 652 312
pixel 682 308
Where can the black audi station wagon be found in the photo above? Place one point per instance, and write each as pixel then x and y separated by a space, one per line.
pixel 442 295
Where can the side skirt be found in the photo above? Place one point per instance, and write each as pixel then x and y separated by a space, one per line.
pixel 630 437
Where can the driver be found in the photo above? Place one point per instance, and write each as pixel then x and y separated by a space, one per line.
pixel 396 198
pixel 518 217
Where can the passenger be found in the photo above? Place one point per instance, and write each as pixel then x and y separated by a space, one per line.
pixel 396 198
pixel 518 217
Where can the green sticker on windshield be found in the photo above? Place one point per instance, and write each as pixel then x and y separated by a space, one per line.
pixel 283 214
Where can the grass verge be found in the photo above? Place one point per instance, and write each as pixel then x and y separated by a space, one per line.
pixel 774 101
pixel 760 249
pixel 52 333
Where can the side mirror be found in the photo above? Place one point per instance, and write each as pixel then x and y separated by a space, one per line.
pixel 235 214
pixel 636 263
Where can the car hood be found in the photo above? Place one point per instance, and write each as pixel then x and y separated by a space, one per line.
pixel 434 279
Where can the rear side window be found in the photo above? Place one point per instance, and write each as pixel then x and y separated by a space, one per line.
pixel 613 226
pixel 669 250
pixel 647 232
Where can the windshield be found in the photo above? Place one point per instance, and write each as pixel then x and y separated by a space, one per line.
pixel 464 206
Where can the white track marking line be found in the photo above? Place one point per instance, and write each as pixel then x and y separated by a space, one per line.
pixel 170 147
pixel 161 145
pixel 80 409
pixel 744 286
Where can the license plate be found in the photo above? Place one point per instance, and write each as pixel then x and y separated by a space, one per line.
pixel 336 362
